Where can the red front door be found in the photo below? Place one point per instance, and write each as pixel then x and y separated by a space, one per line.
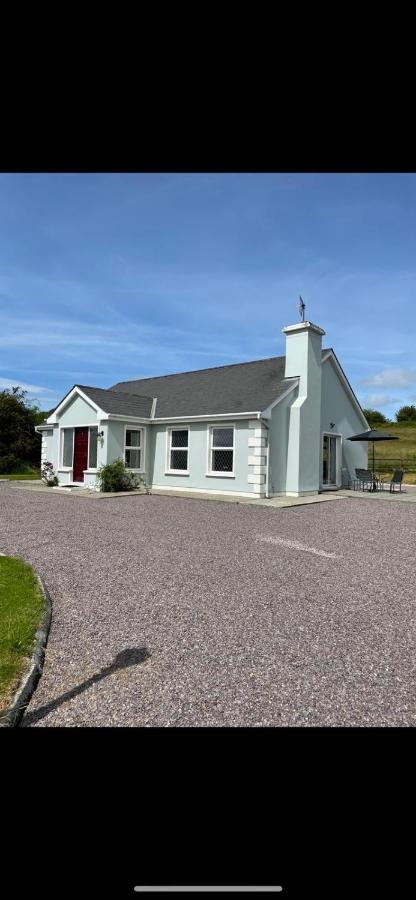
pixel 80 454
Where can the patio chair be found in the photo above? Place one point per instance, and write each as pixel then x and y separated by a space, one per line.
pixel 363 477
pixel 397 479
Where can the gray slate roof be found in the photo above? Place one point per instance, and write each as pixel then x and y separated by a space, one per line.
pixel 241 387
pixel 122 403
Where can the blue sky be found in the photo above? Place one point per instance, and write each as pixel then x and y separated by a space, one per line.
pixel 105 278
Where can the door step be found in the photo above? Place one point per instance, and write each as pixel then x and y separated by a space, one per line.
pixel 70 487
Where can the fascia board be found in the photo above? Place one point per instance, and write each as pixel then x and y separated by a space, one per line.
pixel 117 417
pixel 208 417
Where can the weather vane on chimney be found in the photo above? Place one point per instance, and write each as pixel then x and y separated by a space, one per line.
pixel 302 308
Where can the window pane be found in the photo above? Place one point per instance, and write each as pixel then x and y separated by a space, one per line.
pixel 179 459
pixel 133 438
pixel 92 459
pixel 68 445
pixel 222 460
pixel 179 438
pixel 133 459
pixel 222 437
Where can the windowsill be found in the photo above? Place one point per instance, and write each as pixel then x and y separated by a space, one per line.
pixel 65 469
pixel 136 471
pixel 90 471
pixel 177 472
pixel 219 475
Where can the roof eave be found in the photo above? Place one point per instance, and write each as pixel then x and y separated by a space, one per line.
pixel 209 417
pixel 119 417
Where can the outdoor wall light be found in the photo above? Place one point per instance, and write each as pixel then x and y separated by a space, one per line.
pixel 332 424
pixel 100 434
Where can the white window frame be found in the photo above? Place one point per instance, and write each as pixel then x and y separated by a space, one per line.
pixel 169 448
pixel 142 447
pixel 63 468
pixel 338 461
pixel 62 428
pixel 88 470
pixel 210 473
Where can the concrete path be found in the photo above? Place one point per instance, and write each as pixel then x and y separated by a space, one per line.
pixel 169 611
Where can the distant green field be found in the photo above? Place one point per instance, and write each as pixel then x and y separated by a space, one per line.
pixel 401 454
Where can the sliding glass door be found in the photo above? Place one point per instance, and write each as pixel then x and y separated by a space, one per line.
pixel 330 455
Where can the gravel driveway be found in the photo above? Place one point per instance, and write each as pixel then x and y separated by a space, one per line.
pixel 169 611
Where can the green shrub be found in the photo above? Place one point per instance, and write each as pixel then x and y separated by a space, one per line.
pixel 375 418
pixel 406 414
pixel 115 477
pixel 19 443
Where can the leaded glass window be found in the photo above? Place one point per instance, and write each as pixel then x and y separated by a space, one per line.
pixel 178 449
pixel 222 449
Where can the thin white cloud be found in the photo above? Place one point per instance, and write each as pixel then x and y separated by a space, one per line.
pixel 6 383
pixel 377 400
pixel 391 378
pixel 43 396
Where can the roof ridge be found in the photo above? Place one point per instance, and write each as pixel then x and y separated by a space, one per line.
pixel 249 362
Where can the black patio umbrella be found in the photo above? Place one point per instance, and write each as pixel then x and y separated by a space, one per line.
pixel 373 436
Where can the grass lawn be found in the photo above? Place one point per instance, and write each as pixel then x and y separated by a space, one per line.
pixel 401 454
pixel 25 473
pixel 21 608
pixel 17 476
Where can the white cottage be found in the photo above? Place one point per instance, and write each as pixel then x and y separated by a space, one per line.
pixel 256 429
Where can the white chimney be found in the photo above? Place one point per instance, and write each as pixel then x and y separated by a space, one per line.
pixel 303 360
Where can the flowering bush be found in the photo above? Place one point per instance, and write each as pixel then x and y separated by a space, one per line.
pixel 115 477
pixel 48 475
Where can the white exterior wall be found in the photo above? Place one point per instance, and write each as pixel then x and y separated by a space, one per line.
pixel 46 453
pixel 282 466
pixel 303 360
pixel 78 413
pixel 114 442
pixel 246 479
pixel 337 407
pixel 258 437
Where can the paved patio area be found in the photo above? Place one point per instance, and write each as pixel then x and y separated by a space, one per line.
pixel 172 611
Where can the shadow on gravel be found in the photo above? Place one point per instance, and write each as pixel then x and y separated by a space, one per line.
pixel 130 657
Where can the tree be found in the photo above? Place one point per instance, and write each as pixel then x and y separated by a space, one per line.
pixel 19 443
pixel 406 414
pixel 375 418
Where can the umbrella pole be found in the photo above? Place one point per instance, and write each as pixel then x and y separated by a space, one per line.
pixel 374 474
